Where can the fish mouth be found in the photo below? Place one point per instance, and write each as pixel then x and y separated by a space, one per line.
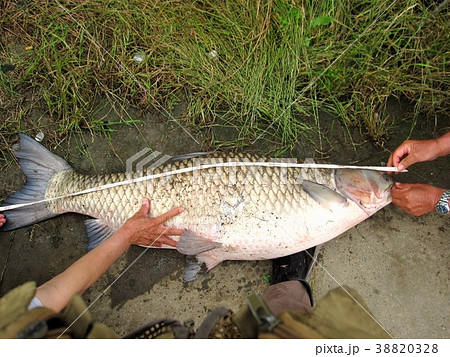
pixel 390 180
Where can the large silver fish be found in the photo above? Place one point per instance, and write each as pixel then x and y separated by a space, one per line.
pixel 231 213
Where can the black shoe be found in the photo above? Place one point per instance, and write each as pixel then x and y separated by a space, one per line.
pixel 292 267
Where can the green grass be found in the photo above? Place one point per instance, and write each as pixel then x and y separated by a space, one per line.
pixel 268 53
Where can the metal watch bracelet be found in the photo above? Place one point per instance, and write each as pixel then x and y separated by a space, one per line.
pixel 442 205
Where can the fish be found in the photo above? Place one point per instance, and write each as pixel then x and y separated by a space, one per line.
pixel 230 212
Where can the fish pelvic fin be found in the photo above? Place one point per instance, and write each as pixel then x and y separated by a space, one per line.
pixel 193 266
pixel 209 259
pixel 192 269
pixel 97 231
pixel 191 243
pixel 39 165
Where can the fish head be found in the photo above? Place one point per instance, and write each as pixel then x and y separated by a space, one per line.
pixel 371 190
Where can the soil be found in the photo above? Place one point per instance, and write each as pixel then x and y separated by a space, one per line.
pixel 151 285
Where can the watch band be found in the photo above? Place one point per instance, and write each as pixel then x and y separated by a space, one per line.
pixel 442 205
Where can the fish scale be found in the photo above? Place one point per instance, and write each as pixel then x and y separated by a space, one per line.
pixel 231 213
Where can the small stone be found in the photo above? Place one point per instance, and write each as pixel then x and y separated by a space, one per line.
pixel 138 57
pixel 39 136
pixel 213 54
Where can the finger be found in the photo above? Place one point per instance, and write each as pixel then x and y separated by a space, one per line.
pixel 406 162
pixel 397 156
pixel 163 239
pixel 398 186
pixel 167 240
pixel 169 231
pixel 402 151
pixel 145 208
pixel 168 215
pixel 172 231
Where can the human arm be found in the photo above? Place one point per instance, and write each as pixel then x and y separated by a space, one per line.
pixel 137 230
pixel 2 220
pixel 412 151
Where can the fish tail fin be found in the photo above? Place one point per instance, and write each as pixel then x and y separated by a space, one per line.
pixel 39 165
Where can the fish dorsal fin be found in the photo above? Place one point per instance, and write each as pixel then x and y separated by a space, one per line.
pixel 190 156
pixel 97 231
pixel 193 244
pixel 323 195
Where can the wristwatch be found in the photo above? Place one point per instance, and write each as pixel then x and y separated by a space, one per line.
pixel 442 205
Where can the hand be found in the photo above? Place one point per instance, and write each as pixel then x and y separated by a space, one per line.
pixel 416 199
pixel 412 151
pixel 142 230
pixel 2 220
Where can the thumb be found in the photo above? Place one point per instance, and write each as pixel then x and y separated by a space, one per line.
pixel 406 162
pixel 145 208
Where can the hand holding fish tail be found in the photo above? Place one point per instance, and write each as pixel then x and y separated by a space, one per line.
pixel 413 151
pixel 150 231
pixel 2 220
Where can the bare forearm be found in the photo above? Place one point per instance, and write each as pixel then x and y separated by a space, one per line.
pixel 56 293
pixel 444 144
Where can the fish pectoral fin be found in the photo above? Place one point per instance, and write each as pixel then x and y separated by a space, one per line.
pixel 97 231
pixel 323 195
pixel 193 244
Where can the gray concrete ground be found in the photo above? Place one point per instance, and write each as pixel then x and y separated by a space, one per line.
pixel 398 263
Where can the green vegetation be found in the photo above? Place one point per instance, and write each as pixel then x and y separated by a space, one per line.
pixel 250 65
